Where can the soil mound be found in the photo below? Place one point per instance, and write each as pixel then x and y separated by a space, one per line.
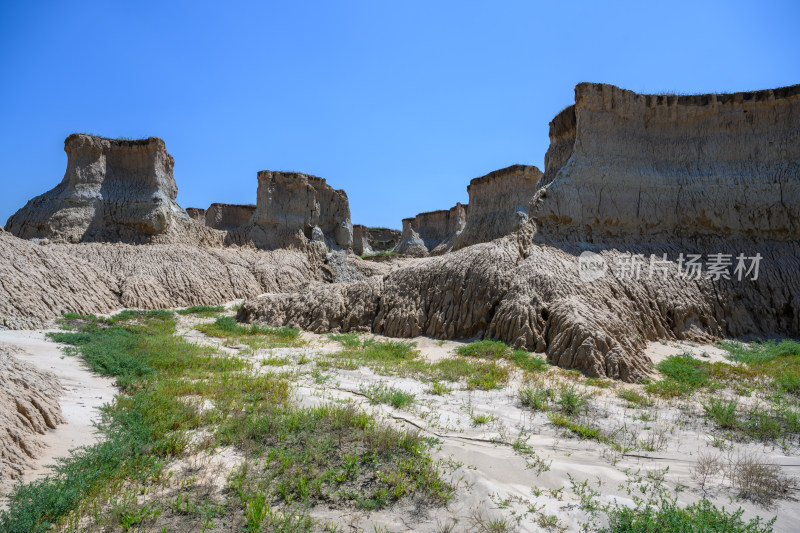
pixel 28 408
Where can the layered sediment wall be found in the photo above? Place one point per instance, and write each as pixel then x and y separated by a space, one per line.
pixel 498 204
pixel 293 209
pixel 368 240
pixel 630 178
pixel 227 217
pixel 630 166
pixel 114 191
pixel 197 214
pixel 432 231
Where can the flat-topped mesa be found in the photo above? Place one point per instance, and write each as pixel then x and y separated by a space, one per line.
pixel 432 232
pixel 197 214
pixel 113 190
pixel 383 239
pixel 361 244
pixel 227 217
pixel 498 203
pixel 626 166
pixel 369 240
pixel 293 209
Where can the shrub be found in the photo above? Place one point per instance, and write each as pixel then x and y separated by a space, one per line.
pixel 722 412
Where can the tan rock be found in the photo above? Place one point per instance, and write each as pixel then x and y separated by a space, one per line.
pixel 629 178
pixel 197 214
pixel 289 207
pixel 38 283
pixel 368 240
pixel 228 217
pixel 432 232
pixel 498 203
pixel 113 190
pixel 628 166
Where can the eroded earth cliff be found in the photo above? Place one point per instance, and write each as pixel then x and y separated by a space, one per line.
pixel 685 207
pixel 112 191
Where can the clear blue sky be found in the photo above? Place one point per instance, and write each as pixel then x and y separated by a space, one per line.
pixel 398 103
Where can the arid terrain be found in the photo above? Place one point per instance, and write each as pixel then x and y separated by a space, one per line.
pixel 605 345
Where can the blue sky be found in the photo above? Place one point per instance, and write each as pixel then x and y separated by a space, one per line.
pixel 398 103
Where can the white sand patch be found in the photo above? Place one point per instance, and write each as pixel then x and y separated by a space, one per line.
pixel 84 394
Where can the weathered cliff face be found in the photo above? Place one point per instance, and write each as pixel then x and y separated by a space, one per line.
pixel 645 183
pixel 625 166
pixel 228 217
pixel 197 214
pixel 383 239
pixel 432 232
pixel 498 204
pixel 368 240
pixel 119 191
pixel 293 209
pixel 361 244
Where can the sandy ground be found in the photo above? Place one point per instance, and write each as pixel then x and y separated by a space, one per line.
pixel 531 490
pixel 84 394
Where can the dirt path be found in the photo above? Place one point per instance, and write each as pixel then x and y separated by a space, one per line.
pixel 84 393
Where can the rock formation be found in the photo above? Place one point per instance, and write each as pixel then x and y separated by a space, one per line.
pixel 368 240
pixel 628 177
pixel 498 204
pixel 641 182
pixel 432 232
pixel 228 217
pixel 361 244
pixel 28 407
pixel 38 283
pixel 197 214
pixel 293 209
pixel 383 239
pixel 628 166
pixel 113 191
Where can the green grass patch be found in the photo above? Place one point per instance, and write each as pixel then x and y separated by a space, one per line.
pixel 388 395
pixel 489 349
pixel 253 335
pixel 581 430
pixel 403 359
pixel 699 517
pixel 205 311
pixel 537 397
pixel 294 457
pixel 761 352
pixel 486 349
pixel 635 399
pixel 143 428
pixel 722 412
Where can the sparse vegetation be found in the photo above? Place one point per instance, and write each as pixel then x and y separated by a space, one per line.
pixel 204 311
pixel 292 456
pixel 758 480
pixel 389 395
pixel 571 402
pixel 253 335
pixel 381 256
pixel 387 357
pixel 655 509
pixel 489 349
